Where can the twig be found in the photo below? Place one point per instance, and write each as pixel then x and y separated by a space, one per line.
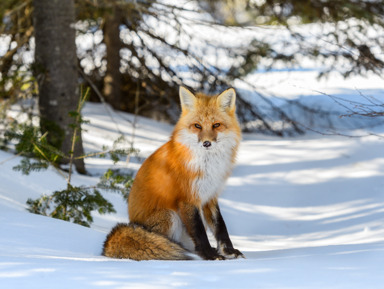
pixel 135 118
pixel 102 99
pixel 11 158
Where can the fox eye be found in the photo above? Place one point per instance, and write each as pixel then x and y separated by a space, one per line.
pixel 197 126
pixel 216 125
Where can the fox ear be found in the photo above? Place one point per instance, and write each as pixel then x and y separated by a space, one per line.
pixel 227 100
pixel 187 99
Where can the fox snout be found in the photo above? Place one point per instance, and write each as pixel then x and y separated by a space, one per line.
pixel 207 144
pixel 207 139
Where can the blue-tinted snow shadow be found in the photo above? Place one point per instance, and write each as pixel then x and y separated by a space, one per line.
pixel 303 216
pixel 305 201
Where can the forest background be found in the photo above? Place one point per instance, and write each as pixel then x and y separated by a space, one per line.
pixel 132 56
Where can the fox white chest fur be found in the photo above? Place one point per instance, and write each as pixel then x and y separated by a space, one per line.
pixel 214 164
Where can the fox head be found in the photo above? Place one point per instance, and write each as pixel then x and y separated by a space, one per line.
pixel 208 122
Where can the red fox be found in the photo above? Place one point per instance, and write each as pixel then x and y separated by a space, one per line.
pixel 175 192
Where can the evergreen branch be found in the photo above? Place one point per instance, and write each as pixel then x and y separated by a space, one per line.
pixel 95 154
pixel 47 159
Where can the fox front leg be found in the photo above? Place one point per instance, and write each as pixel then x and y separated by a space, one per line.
pixel 216 222
pixel 190 216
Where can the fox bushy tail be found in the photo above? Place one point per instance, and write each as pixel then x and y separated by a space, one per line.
pixel 133 241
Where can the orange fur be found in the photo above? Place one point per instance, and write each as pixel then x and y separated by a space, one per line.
pixel 147 245
pixel 180 182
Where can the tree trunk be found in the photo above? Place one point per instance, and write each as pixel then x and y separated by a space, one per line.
pixel 56 69
pixel 112 79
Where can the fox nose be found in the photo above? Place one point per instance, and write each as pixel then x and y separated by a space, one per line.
pixel 207 144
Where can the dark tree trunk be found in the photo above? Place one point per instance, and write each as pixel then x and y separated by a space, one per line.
pixel 112 79
pixel 56 69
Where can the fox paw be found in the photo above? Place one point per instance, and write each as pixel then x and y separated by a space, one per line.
pixel 232 253
pixel 219 257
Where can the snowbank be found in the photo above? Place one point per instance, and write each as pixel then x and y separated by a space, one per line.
pixel 307 212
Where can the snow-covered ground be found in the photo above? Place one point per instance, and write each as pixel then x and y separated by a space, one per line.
pixel 308 212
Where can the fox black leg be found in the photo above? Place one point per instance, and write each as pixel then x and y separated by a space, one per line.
pixel 216 222
pixel 191 218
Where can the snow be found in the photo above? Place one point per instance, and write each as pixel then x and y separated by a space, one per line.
pixel 307 212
